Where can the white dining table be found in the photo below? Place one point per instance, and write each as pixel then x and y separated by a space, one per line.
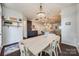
pixel 39 43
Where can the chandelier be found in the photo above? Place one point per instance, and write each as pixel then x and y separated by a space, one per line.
pixel 41 13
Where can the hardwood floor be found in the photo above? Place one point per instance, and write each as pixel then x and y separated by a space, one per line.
pixel 67 50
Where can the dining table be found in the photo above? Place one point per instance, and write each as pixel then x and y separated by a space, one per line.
pixel 37 44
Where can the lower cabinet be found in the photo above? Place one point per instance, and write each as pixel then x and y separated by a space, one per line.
pixel 12 34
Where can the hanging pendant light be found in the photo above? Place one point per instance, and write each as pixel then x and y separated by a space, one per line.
pixel 41 14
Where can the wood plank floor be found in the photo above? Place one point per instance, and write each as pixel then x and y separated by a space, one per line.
pixel 67 50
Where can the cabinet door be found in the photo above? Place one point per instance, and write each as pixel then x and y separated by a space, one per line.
pixel 12 34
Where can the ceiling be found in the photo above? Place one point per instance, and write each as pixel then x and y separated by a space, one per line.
pixel 31 9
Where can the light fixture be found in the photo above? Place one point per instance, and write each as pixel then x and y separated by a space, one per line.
pixel 41 13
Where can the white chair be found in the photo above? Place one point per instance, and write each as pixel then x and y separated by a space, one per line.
pixel 52 48
pixel 22 50
pixel 58 46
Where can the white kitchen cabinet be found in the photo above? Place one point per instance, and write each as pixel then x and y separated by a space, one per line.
pixel 12 34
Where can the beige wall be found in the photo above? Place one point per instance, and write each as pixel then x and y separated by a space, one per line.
pixel 77 22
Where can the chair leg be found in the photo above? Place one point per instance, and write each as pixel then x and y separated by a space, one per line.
pixel 54 53
pixel 45 53
pixel 51 53
pixel 40 53
pixel 59 48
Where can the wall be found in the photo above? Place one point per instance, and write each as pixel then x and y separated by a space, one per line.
pixel 78 24
pixel 12 34
pixel 25 27
pixel 38 27
pixel 0 30
pixel 68 14
pixel 10 12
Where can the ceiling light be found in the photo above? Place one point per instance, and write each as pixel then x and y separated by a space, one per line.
pixel 41 14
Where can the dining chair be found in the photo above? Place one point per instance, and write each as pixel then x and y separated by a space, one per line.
pixel 58 45
pixel 25 51
pixel 52 48
pixel 22 49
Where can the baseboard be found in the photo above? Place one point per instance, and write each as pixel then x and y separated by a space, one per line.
pixel 74 45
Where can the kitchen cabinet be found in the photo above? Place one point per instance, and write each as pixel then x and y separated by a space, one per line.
pixel 12 34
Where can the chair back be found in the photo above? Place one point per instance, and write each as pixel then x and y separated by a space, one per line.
pixel 54 44
pixel 22 49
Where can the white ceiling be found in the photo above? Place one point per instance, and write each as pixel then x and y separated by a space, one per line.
pixel 31 9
